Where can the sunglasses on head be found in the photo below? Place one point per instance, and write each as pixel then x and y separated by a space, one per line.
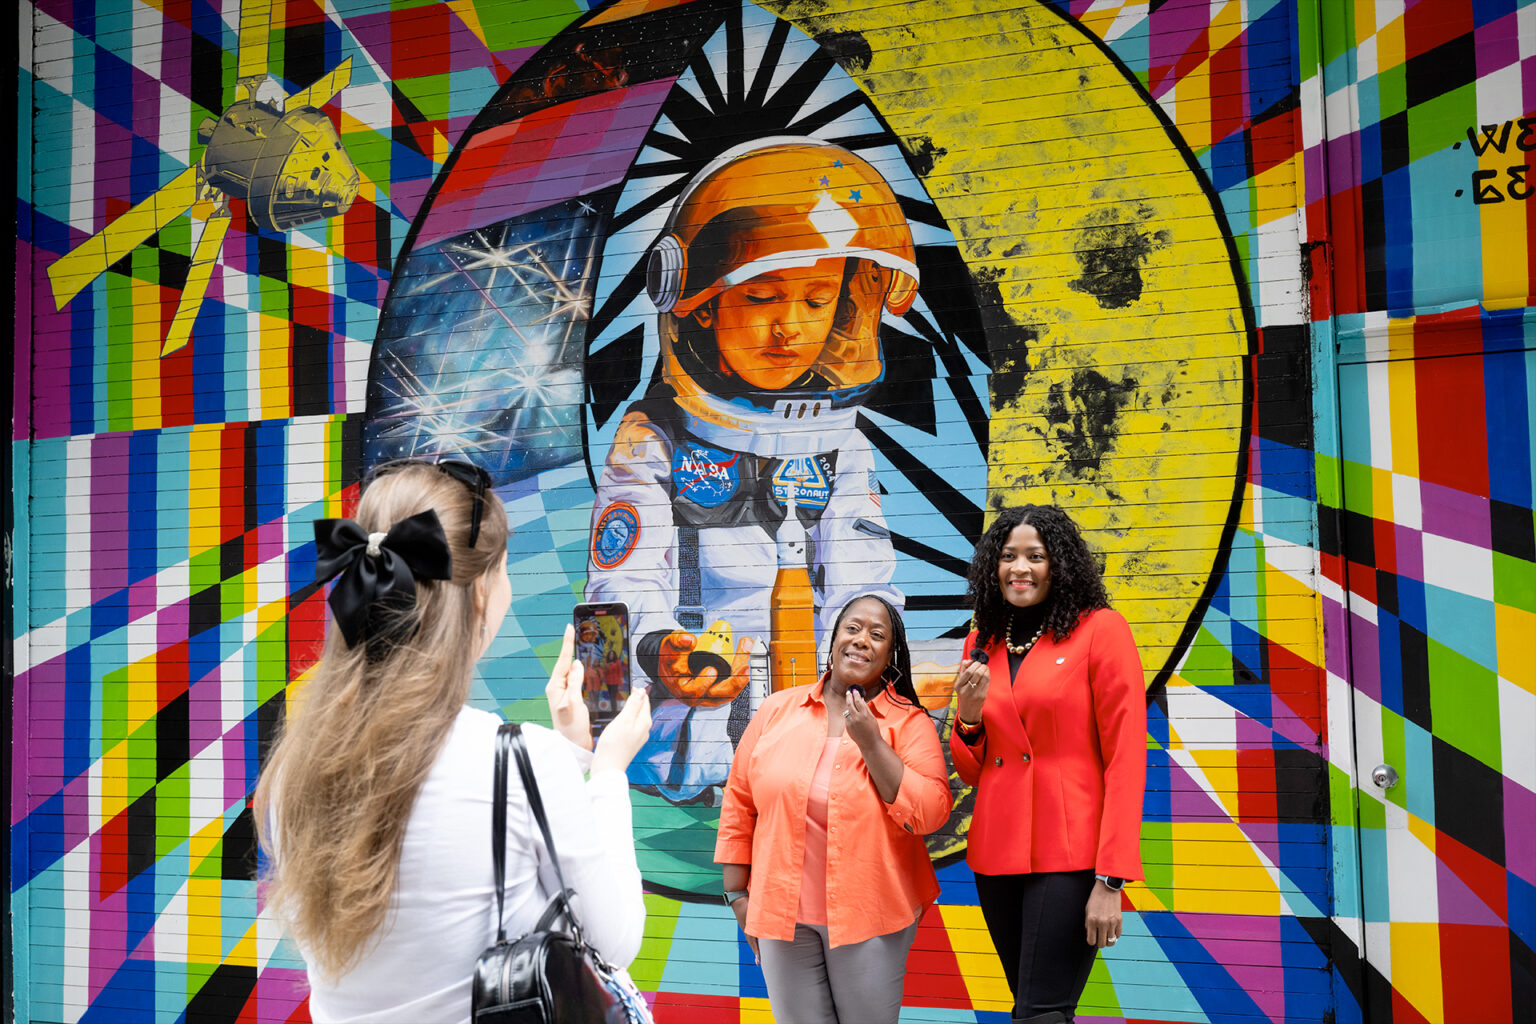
pixel 467 473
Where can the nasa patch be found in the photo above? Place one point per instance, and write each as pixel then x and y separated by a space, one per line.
pixel 615 535
pixel 812 477
pixel 706 476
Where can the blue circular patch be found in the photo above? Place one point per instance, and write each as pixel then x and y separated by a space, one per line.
pixel 615 535
pixel 705 476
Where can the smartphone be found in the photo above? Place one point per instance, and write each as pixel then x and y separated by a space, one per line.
pixel 602 648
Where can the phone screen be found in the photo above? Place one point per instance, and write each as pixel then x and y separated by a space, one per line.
pixel 602 647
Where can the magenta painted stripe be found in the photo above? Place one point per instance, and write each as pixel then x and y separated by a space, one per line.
pixel 1410 552
pixel 172 623
pixel 1366 644
pixel 109 938
pixel 141 598
pixel 39 693
pixel 235 784
pixel 113 161
pixel 269 541
pixel 1456 903
pixel 1528 82
pixel 21 356
pixel 1343 163
pixel 1316 187
pixel 1187 801
pixel 1498 44
pixel 51 352
pixel 1335 652
pixel 110 534
pixel 1456 514
pixel 205 719
pixel 175 53
pixel 1520 829
pixel 280 991
pixel 21 749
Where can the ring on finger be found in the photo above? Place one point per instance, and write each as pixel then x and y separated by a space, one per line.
pixel 846 713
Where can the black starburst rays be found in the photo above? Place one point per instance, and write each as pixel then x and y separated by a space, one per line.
pixel 758 76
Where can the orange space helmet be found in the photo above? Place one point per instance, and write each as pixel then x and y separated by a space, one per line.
pixel 779 203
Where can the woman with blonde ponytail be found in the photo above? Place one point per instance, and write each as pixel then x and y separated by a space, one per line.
pixel 374 806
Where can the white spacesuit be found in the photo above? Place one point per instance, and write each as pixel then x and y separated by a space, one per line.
pixel 694 488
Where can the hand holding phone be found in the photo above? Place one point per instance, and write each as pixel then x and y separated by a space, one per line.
pixel 567 710
pixel 602 650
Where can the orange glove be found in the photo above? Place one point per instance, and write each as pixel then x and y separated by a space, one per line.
pixel 707 686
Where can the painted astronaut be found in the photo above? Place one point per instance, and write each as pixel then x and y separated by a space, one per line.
pixel 770 281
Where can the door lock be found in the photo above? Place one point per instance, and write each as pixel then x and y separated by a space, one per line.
pixel 1385 776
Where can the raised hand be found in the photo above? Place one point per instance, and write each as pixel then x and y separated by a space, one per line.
pixel 624 736
pixel 971 690
pixel 567 709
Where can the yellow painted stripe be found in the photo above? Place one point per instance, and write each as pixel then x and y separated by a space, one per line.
pixel 143 692
pixel 1402 387
pixel 977 960
pixel 1391 44
pixel 1505 277
pixel 205 922
pixel 1516 634
pixel 1218 871
pixel 1416 968
pixel 203 496
pixel 1226 25
pixel 273 379
pixel 114 781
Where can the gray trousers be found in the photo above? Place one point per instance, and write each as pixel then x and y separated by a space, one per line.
pixel 810 982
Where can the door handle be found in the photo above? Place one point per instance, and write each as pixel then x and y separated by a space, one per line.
pixel 1384 775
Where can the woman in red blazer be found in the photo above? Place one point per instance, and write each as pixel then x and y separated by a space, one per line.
pixel 1050 727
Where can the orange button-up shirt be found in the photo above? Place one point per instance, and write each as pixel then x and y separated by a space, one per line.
pixel 879 874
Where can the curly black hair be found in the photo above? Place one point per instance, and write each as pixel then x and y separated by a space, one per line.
pixel 1076 586
pixel 898 671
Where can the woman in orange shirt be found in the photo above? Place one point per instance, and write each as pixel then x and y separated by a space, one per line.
pixel 1050 727
pixel 821 833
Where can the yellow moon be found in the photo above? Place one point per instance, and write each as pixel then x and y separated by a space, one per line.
pixel 1084 219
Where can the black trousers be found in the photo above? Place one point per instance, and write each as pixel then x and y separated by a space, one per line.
pixel 1037 926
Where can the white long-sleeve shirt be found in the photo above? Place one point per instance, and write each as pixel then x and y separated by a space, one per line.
pixel 443 912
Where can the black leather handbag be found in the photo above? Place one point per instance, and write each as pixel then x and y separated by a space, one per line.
pixel 548 976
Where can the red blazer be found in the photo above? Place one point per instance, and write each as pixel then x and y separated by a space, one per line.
pixel 1061 768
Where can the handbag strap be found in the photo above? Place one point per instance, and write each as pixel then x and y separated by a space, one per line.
pixel 499 823
pixel 510 735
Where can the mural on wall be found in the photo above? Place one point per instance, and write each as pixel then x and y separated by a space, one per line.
pixel 1428 541
pixel 716 276
pixel 1096 205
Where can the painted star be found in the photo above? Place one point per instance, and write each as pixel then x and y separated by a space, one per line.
pixel 854 193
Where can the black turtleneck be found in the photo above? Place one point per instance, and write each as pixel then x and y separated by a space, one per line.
pixel 1025 622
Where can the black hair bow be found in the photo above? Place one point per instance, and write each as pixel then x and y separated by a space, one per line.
pixel 378 566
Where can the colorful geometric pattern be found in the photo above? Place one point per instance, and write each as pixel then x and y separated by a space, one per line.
pixel 1432 549
pixel 163 507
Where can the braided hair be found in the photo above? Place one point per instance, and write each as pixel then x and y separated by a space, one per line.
pixel 898 671
pixel 1076 586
